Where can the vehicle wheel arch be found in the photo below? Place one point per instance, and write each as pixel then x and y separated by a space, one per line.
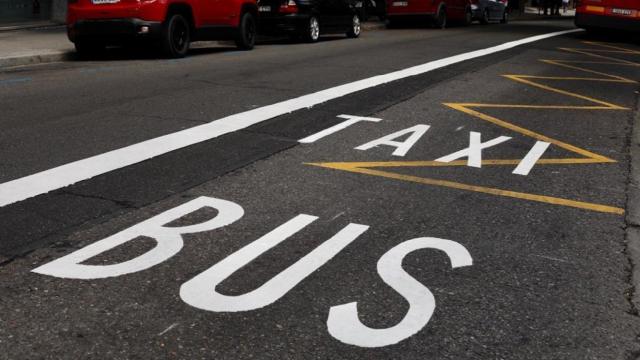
pixel 442 8
pixel 183 9
pixel 250 8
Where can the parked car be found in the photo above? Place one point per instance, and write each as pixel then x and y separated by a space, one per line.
pixel 487 11
pixel 309 19
pixel 608 15
pixel 170 24
pixel 438 12
pixel 376 8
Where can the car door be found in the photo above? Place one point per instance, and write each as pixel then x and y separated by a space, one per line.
pixel 461 7
pixel 218 12
pixel 349 8
pixel 326 11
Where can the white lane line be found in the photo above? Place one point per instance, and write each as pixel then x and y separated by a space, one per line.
pixel 529 161
pixel 68 174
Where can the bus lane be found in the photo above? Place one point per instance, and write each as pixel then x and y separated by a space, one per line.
pixel 482 218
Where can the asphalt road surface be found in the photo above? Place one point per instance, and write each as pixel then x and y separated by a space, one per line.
pixel 471 207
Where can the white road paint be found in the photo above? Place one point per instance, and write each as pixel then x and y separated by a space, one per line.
pixel 474 152
pixel 68 174
pixel 402 147
pixel 169 242
pixel 343 322
pixel 168 329
pixel 200 292
pixel 529 161
pixel 351 119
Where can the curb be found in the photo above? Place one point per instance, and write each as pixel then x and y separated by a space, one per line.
pixel 373 25
pixel 538 17
pixel 35 59
pixel 51 25
pixel 632 217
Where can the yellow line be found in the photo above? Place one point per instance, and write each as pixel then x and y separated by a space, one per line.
pixel 529 133
pixel 598 62
pixel 630 51
pixel 603 51
pixel 572 78
pixel 524 106
pixel 486 162
pixel 597 55
pixel 562 64
pixel 563 92
pixel 482 189
pixel 589 157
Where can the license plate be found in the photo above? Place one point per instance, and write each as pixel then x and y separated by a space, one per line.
pixel 105 1
pixel 400 3
pixel 625 12
pixel 264 8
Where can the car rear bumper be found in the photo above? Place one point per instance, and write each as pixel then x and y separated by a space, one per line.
pixel 114 30
pixel 607 22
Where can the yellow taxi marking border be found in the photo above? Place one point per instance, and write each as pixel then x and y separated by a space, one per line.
pixel 474 188
pixel 530 80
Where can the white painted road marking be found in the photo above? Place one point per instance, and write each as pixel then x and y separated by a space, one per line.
pixel 402 147
pixel 343 322
pixel 527 163
pixel 68 174
pixel 200 292
pixel 168 239
pixel 474 152
pixel 351 119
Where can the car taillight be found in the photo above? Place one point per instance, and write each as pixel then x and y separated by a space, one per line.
pixel 289 7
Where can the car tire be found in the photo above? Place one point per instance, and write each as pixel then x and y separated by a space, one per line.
pixel 505 17
pixel 484 20
pixel 468 17
pixel 391 23
pixel 312 30
pixel 247 32
pixel 440 21
pixel 356 27
pixel 176 36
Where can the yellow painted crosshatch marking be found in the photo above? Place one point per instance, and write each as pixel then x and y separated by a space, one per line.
pixel 474 109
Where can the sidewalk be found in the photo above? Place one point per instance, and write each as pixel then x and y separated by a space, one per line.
pixel 50 43
pixel 24 47
pixel 533 13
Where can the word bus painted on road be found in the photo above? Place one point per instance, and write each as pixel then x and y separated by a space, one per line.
pixel 342 323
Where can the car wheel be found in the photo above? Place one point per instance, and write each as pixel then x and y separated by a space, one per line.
pixel 247 31
pixel 391 23
pixel 468 17
pixel 505 17
pixel 485 17
pixel 354 30
pixel 440 21
pixel 176 36
pixel 312 32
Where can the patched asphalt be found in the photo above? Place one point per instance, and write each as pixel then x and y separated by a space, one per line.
pixel 548 281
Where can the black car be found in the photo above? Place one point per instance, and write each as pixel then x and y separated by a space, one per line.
pixel 486 11
pixel 308 19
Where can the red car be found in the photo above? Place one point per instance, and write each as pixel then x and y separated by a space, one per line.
pixel 170 24
pixel 437 11
pixel 608 14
